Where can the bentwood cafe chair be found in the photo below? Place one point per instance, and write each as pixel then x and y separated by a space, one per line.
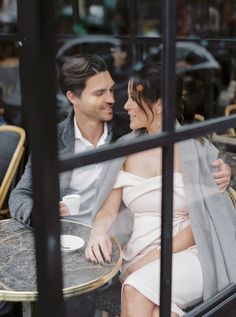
pixel 12 148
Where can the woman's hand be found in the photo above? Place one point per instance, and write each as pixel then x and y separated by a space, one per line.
pixel 63 209
pixel 148 258
pixel 99 247
pixel 223 175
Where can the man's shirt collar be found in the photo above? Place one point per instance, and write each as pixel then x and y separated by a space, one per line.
pixel 101 141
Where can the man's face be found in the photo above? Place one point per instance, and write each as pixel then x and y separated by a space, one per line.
pixel 96 100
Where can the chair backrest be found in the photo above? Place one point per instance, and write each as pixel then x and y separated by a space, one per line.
pixel 12 146
pixel 232 195
pixel 228 110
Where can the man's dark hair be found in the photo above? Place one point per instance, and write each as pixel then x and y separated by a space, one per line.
pixel 77 69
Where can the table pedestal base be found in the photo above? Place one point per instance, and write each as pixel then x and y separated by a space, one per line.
pixel 27 309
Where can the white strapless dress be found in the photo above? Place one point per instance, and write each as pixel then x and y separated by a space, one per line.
pixel 143 197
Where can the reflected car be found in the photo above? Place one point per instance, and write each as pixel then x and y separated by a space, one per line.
pixel 201 74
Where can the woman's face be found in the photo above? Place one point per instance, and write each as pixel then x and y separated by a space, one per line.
pixel 138 118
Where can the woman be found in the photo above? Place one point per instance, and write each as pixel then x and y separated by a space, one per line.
pixel 139 185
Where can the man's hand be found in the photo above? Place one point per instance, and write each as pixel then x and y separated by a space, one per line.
pixel 63 209
pixel 223 176
pixel 99 247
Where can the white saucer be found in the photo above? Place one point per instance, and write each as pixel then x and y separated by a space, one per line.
pixel 71 243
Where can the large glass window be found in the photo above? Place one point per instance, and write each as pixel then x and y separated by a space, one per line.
pixel 128 34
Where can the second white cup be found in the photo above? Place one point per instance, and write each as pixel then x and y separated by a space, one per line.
pixel 73 203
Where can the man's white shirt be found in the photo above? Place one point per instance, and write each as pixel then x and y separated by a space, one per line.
pixel 84 180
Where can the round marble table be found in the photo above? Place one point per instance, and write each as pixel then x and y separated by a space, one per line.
pixel 18 265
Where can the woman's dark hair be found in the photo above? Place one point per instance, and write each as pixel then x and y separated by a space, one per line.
pixel 145 86
pixel 185 108
pixel 77 69
pixel 188 111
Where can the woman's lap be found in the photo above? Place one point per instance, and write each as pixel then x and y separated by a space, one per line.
pixel 187 281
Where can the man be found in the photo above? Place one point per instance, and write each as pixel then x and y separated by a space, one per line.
pixel 88 86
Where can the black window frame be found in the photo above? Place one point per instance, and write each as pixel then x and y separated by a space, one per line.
pixel 36 41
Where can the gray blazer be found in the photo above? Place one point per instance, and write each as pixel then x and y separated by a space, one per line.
pixel 21 200
pixel 212 214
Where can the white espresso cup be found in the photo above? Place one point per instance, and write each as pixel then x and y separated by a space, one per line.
pixel 73 203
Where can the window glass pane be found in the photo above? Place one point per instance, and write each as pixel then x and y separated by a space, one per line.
pixel 222 18
pixel 8 16
pixel 100 17
pixel 149 18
